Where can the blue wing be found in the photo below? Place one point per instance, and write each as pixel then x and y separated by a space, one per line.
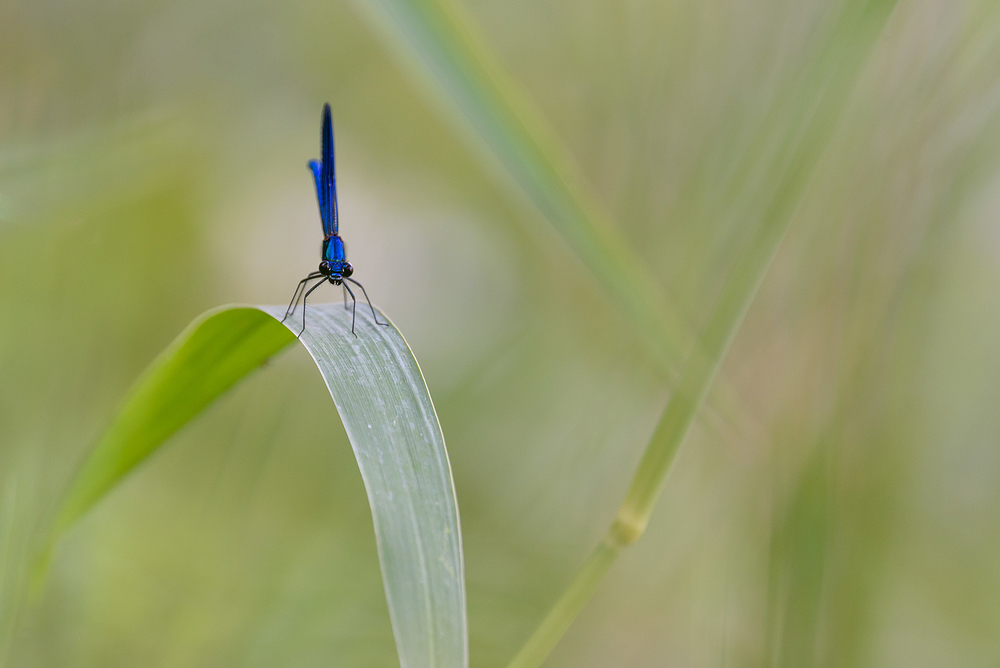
pixel 318 175
pixel 326 178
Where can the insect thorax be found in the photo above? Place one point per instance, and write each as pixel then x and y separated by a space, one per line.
pixel 333 249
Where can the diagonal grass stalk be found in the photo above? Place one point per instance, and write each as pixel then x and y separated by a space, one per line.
pixel 848 51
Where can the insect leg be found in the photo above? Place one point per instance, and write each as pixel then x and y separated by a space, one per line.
pixel 354 314
pixel 297 295
pixel 304 298
pixel 384 324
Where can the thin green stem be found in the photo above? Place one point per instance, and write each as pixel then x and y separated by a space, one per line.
pixel 835 71
pixel 569 605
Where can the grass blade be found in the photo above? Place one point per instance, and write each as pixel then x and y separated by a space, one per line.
pixel 451 57
pixel 214 352
pixel 390 420
pixel 387 411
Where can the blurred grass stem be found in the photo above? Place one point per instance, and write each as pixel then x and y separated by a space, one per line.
pixel 452 56
pixel 841 63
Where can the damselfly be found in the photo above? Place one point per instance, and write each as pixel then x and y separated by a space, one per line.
pixel 334 268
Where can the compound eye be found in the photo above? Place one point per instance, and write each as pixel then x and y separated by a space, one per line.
pixel 348 270
pixel 324 268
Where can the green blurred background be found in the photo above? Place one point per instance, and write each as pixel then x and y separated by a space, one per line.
pixel 837 502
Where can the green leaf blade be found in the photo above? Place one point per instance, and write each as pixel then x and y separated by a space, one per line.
pixel 218 349
pixel 390 420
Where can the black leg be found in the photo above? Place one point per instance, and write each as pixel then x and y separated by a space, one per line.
pixel 295 299
pixel 298 290
pixel 304 298
pixel 384 324
pixel 345 297
pixel 354 315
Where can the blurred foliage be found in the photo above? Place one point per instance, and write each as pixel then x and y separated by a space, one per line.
pixel 836 502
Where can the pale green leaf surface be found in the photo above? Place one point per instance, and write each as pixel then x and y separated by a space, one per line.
pixel 387 411
pixel 393 428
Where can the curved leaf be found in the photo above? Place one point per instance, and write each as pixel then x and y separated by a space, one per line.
pixel 387 411
pixel 215 351
pixel 390 420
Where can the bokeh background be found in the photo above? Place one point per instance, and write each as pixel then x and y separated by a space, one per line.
pixel 837 502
